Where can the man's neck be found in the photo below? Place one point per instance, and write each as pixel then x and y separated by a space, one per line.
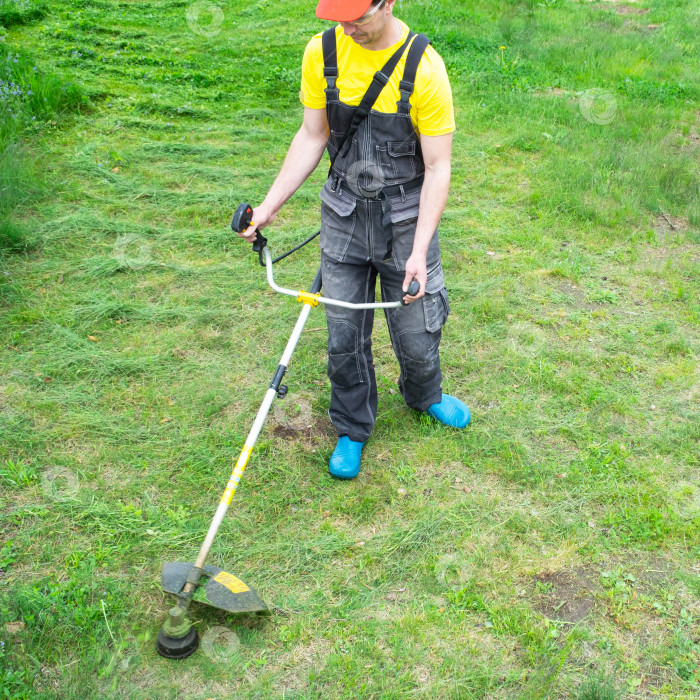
pixel 391 34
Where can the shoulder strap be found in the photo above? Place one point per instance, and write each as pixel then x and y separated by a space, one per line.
pixel 330 57
pixel 380 79
pixel 415 53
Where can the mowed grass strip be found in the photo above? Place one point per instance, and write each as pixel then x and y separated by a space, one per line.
pixel 550 550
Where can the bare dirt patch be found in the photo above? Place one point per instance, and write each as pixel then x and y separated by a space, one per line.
pixel 320 428
pixel 566 596
pixel 666 225
pixel 627 10
pixel 293 418
pixel 576 297
pixel 569 595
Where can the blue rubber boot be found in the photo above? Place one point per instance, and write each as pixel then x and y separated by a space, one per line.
pixel 450 411
pixel 345 460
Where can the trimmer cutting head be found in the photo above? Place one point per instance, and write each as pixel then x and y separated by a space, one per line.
pixel 217 588
pixel 174 648
pixel 178 638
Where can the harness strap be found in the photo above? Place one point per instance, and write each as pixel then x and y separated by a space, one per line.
pixel 415 53
pixel 330 57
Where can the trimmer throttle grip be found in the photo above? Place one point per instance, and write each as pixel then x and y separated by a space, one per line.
pixel 242 219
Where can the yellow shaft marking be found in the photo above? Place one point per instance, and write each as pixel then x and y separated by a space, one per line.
pixel 236 475
pixel 235 585
pixel 308 298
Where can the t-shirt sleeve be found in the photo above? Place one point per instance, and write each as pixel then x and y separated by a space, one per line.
pixel 312 92
pixel 434 108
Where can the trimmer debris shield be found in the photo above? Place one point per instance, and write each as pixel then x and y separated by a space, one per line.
pixel 217 588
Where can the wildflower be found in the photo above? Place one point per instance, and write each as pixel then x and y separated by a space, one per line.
pixel 502 47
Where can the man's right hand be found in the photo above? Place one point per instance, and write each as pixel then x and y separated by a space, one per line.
pixel 262 217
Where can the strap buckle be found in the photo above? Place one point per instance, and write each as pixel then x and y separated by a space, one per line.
pixel 381 78
pixel 406 90
pixel 331 75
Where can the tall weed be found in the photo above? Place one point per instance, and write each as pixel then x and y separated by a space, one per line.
pixel 31 102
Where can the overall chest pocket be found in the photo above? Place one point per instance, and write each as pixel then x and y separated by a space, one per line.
pixel 398 160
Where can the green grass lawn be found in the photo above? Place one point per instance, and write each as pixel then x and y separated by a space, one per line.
pixel 551 550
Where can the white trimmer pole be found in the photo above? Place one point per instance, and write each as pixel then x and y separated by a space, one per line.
pixel 252 438
pixel 237 473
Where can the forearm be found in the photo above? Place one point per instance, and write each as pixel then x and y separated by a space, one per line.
pixel 433 198
pixel 302 158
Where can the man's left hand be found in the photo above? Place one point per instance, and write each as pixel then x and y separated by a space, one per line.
pixel 416 268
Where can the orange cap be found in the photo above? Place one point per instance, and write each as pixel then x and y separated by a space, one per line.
pixel 342 10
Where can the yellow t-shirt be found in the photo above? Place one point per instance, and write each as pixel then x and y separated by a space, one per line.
pixel 432 112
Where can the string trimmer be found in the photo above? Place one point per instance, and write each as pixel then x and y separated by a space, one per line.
pixel 202 582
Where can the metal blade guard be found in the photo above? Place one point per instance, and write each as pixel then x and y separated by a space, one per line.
pixel 221 589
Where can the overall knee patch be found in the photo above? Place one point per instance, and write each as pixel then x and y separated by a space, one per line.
pixel 343 353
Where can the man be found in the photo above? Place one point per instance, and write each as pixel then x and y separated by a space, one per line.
pixel 381 205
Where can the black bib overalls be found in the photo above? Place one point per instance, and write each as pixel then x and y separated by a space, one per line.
pixel 369 213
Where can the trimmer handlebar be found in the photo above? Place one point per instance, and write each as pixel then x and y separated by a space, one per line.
pixel 243 218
